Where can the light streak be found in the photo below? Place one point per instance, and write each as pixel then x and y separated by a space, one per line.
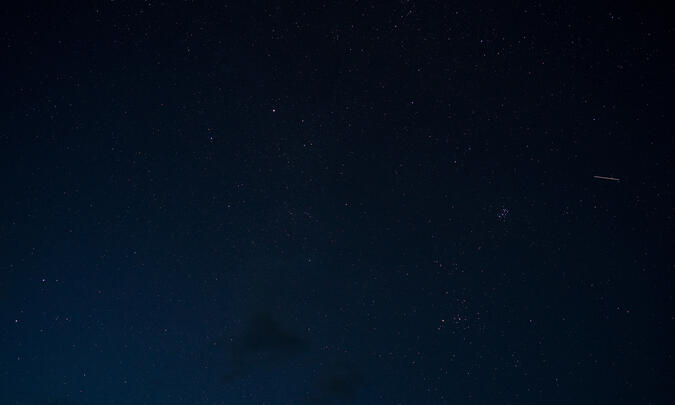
pixel 606 178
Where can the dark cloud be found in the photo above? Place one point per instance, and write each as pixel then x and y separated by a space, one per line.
pixel 263 341
pixel 339 385
pixel 266 334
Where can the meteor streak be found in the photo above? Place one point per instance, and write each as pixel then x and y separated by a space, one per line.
pixel 606 178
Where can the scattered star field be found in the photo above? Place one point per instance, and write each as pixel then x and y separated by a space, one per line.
pixel 406 202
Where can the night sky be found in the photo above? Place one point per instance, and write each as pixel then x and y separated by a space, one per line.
pixel 337 203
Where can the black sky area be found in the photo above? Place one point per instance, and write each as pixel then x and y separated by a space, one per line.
pixel 336 203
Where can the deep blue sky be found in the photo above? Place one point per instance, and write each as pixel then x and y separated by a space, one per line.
pixel 332 203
